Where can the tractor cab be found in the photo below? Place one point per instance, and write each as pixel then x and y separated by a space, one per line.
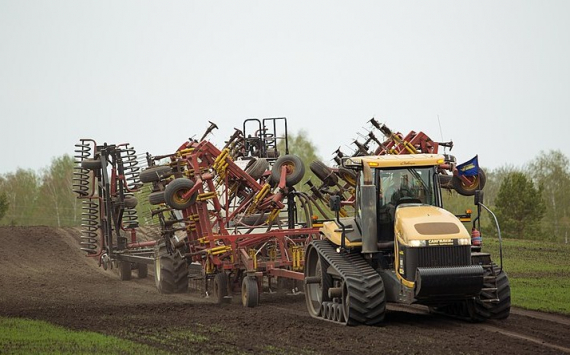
pixel 402 186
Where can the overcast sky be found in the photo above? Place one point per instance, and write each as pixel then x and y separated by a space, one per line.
pixel 496 73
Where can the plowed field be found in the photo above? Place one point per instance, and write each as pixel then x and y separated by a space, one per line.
pixel 44 275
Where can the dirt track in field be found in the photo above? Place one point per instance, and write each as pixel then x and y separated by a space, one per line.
pixel 44 275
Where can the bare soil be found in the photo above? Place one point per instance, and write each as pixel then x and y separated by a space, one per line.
pixel 44 275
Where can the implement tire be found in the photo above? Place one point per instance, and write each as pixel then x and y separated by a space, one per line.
pixel 174 192
pixel 257 168
pixel 347 175
pixel 124 270
pixel 296 169
pixel 155 173
pixel 170 271
pixel 478 183
pixel 220 287
pixel 249 292
pixel 156 198
pixel 324 173
pixel 91 164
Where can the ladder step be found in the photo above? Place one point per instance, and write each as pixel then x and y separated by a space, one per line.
pixel 491 300
pixel 489 289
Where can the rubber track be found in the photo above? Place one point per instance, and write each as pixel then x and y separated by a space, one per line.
pixel 364 284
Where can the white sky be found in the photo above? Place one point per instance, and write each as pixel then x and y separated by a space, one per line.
pixel 497 73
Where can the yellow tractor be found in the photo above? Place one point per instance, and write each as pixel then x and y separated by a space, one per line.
pixel 401 246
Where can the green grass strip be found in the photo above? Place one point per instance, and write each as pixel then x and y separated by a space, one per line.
pixel 24 336
pixel 539 273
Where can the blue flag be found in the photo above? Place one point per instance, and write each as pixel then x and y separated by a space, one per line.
pixel 469 168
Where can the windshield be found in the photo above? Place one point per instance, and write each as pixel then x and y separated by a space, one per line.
pixel 410 185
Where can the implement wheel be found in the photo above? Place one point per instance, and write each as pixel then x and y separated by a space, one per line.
pixel 174 192
pixel 170 271
pixel 257 168
pixel 156 198
pixel 347 175
pixel 220 287
pixel 124 270
pixel 249 292
pixel 155 173
pixel 91 164
pixel 131 202
pixel 324 173
pixel 477 183
pixel 295 169
pixel 142 270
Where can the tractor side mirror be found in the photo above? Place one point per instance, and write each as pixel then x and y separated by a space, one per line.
pixel 334 203
pixel 478 197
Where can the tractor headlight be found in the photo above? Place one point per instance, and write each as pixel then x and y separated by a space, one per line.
pixel 418 243
pixel 464 241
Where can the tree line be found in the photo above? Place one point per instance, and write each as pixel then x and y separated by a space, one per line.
pixel 531 202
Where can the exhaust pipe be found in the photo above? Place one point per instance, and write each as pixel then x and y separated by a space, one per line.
pixel 368 212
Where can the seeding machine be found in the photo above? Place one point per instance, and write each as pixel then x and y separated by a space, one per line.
pixel 233 219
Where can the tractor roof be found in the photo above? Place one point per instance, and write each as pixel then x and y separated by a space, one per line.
pixel 393 161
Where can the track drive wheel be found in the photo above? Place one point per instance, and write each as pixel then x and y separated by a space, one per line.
pixel 220 287
pixel 317 282
pixel 170 271
pixel 249 292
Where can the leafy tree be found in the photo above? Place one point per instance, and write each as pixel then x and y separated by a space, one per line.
pixel 3 204
pixel 551 170
pixel 494 180
pixel 21 189
pixel 520 207
pixel 58 204
pixel 301 146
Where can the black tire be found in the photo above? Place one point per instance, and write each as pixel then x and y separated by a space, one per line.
pixel 124 270
pixel 174 192
pixel 142 270
pixel 91 164
pixel 131 202
pixel 295 173
pixel 220 287
pixel 324 173
pixel 155 173
pixel 445 181
pixel 249 292
pixel 255 219
pixel 478 183
pixel 170 271
pixel 257 168
pixel 156 198
pixel 347 175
